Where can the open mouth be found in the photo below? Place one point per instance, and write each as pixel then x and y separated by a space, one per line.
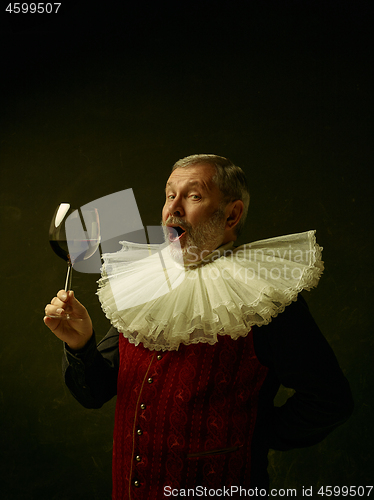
pixel 175 233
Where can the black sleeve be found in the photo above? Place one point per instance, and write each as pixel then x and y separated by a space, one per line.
pixel 299 356
pixel 91 374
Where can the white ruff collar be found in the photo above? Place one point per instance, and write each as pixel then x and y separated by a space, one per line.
pixel 155 301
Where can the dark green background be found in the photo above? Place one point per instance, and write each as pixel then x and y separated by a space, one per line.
pixel 95 100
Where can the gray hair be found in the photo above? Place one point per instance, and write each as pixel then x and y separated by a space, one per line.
pixel 229 178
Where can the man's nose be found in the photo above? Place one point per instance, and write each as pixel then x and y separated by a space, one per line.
pixel 176 208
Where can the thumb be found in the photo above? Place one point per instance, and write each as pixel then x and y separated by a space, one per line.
pixel 75 306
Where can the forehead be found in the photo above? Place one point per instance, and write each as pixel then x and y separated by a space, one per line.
pixel 200 175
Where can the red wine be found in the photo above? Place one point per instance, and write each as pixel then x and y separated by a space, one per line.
pixel 79 249
pixel 60 247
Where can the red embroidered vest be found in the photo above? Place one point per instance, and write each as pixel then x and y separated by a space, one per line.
pixel 185 418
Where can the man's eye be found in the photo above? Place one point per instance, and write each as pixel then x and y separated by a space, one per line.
pixel 195 196
pixel 170 196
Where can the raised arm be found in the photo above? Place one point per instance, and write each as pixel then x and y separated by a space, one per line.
pixel 90 371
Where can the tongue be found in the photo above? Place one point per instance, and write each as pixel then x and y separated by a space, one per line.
pixel 176 233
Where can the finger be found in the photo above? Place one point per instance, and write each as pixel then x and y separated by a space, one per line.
pixel 51 310
pixel 57 302
pixel 52 323
pixel 74 304
pixel 62 295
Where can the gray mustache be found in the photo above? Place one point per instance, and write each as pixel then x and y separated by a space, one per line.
pixel 178 221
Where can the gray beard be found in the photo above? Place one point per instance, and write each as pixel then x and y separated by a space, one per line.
pixel 199 240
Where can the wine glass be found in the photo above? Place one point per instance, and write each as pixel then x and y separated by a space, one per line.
pixel 74 235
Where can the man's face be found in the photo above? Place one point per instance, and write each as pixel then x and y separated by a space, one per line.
pixel 192 208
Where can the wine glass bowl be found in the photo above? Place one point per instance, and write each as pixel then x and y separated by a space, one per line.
pixel 74 235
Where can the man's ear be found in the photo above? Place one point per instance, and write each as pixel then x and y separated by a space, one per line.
pixel 234 212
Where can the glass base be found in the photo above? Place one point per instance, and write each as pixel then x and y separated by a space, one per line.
pixel 64 317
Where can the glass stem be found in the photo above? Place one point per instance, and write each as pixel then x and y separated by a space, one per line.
pixel 68 276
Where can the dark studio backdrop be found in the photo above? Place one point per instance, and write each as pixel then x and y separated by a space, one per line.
pixel 95 100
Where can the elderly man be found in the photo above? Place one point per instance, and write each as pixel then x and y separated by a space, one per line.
pixel 196 370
